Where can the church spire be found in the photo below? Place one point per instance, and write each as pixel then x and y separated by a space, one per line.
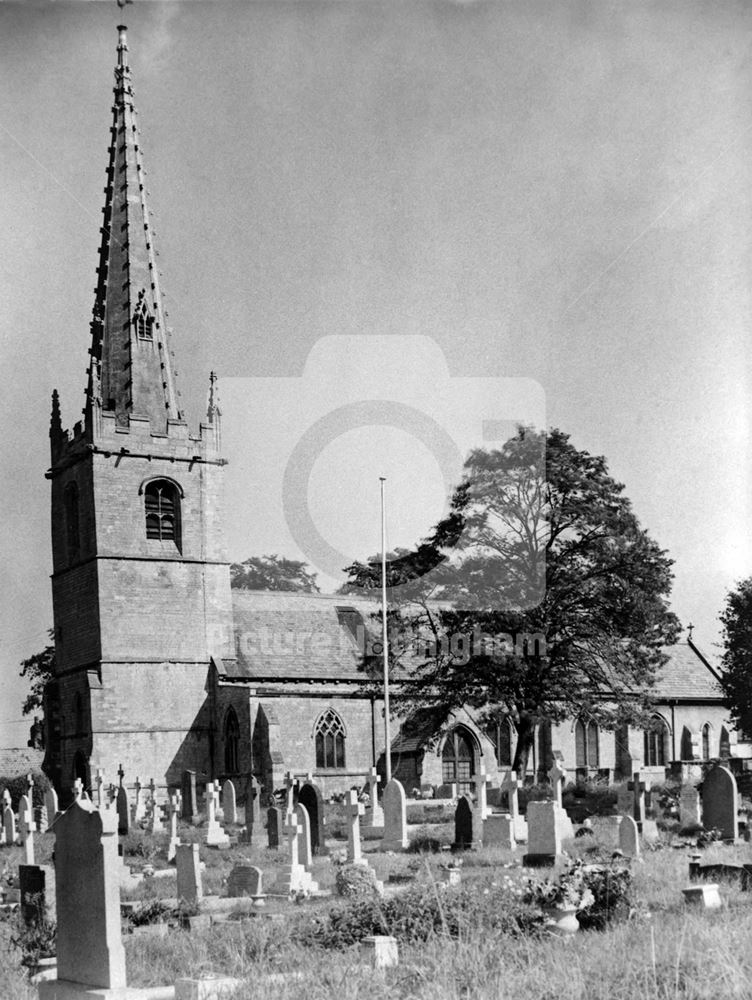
pixel 131 371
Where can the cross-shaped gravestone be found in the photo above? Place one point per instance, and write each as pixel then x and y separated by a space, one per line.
pixel 175 807
pixel 355 810
pixel 138 801
pixel 26 828
pixel 510 785
pixel 6 799
pixel 292 829
pixel 374 813
pixel 120 774
pixel 557 774
pixel 637 786
pixel 215 835
pixel 99 779
pixel 78 790
pixel 29 785
pixel 289 796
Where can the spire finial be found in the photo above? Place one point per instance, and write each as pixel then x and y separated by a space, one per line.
pixel 122 46
pixel 212 405
pixel 56 426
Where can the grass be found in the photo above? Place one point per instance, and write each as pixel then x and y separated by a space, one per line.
pixel 673 954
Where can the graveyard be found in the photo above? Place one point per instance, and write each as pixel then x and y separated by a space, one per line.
pixel 130 893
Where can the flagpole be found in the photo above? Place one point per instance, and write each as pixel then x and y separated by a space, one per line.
pixel 384 636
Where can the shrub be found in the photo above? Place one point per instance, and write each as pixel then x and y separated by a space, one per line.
pixel 611 890
pixel 35 939
pixel 356 880
pixel 17 787
pixel 424 844
pixel 155 911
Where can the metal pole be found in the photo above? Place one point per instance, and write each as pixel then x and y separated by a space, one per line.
pixel 384 635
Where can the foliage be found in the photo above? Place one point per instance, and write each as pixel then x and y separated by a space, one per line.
pixel 569 889
pixel 142 845
pixel 18 785
pixel 611 893
pixel 711 836
pixel 424 843
pixel 38 670
pixel 35 939
pixel 154 911
pixel 554 600
pixel 356 880
pixel 736 663
pixel 273 573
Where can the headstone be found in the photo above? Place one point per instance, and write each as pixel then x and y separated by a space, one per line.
pixel 175 807
pixel 374 814
pixel 215 835
pixel 706 896
pixel 309 795
pixel 123 810
pixel 498 831
pixel 355 810
pixel 139 805
pixel 190 803
pixel 544 834
pixel 293 877
pixel 395 817
pixel 510 786
pixel 637 786
pixel 26 828
pixel 306 852
pixel 245 880
pixel 41 819
pixel 50 801
pixel 36 884
pixel 557 775
pixel 253 804
pixel 289 792
pixel 463 824
pixel 629 837
pixel 87 892
pixel 188 866
pixel 99 793
pixel 229 802
pixel 720 802
pixel 690 813
pixel 274 822
pixel 9 825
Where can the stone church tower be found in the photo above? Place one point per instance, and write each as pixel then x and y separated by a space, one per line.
pixel 141 587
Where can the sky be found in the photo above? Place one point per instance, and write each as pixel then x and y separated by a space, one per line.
pixel 478 212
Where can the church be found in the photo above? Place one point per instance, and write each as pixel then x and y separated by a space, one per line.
pixel 162 667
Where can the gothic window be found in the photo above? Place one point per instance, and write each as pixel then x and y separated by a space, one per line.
pixel 706 741
pixel 501 733
pixel 330 740
pixel 232 740
pixel 162 508
pixel 586 740
pixel 72 532
pixel 656 742
pixel 144 323
pixel 458 760
pixel 724 747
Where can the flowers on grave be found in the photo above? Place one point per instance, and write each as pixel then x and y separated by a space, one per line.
pixel 568 891
pixel 356 880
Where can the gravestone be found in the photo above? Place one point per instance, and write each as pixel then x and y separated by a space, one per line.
pixel 306 851
pixel 229 802
pixel 355 810
pixel 50 801
pixel 175 808
pixel 498 831
pixel 463 824
pixel 9 825
pixel 510 786
pixel 253 804
pixel 629 837
pixel 293 877
pixel 87 892
pixel 139 804
pixel 123 811
pixel 36 885
pixel 188 793
pixel 543 834
pixel 557 776
pixel 395 817
pixel 720 802
pixel 309 795
pixel 690 813
pixel 188 866
pixel 26 828
pixel 374 814
pixel 637 786
pixel 289 792
pixel 154 822
pixel 215 835
pixel 245 880
pixel 99 798
pixel 274 822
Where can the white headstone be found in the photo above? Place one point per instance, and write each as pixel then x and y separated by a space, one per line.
pixel 229 802
pixel 26 828
pixel 176 805
pixel 498 831
pixel 395 817
pixel 304 821
pixel 543 829
pixel 215 835
pixel 690 813
pixel 355 810
pixel 50 801
pixel 629 837
pixel 374 815
pixel 188 866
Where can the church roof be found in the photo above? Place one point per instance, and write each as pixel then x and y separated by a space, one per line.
pixel 686 676
pixel 283 635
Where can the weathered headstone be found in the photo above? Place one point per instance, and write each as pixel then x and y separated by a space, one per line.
pixel 253 803
pixel 50 801
pixel 154 822
pixel 293 877
pixel 274 823
pixel 229 802
pixel 289 792
pixel 629 837
pixel 123 811
pixel 355 810
pixel 175 807
pixel 498 831
pixel 720 802
pixel 510 786
pixel 544 834
pixel 87 891
pixel 188 792
pixel 309 795
pixel 557 776
pixel 395 817
pixel 9 824
pixel 26 828
pixel 374 814
pixel 188 867
pixel 139 805
pixel 637 786
pixel 306 853
pixel 215 835
pixel 36 884
pixel 690 813
pixel 463 824
pixel 245 880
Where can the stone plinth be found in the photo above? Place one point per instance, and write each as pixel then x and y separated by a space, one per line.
pixel 380 951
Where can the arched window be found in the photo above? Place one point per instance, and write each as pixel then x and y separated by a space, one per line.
pixel 72 532
pixel 656 742
pixel 144 323
pixel 232 741
pixel 724 747
pixel 458 760
pixel 162 508
pixel 586 740
pixel 501 733
pixel 706 741
pixel 330 740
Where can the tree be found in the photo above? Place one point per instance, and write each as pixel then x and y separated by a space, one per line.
pixel 273 573
pixel 38 669
pixel 538 596
pixel 736 664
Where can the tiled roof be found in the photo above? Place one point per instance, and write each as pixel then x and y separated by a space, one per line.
pixel 687 675
pixel 289 635
pixel 17 761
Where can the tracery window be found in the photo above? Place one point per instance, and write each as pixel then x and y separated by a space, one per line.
pixel 162 509
pixel 330 740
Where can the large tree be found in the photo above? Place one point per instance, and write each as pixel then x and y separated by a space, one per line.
pixel 736 665
pixel 38 670
pixel 273 573
pixel 539 542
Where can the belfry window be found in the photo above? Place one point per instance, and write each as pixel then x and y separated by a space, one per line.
pixel 144 323
pixel 162 509
pixel 330 740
